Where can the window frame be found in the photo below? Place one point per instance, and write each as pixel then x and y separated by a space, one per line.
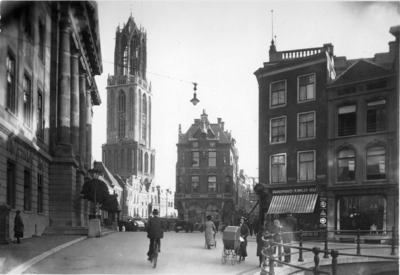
pixel 227 183
pixel 271 166
pixel 314 166
pixel 40 193
pixel 11 101
pixel 270 130
pixel 40 115
pixel 192 189
pixel 11 193
pixel 314 126
pixel 338 120
pixel 345 158
pixel 27 107
pixel 208 184
pixel 270 95
pixel 42 39
pixel 193 158
pixel 212 158
pixel 386 163
pixel 382 106
pixel 314 91
pixel 27 190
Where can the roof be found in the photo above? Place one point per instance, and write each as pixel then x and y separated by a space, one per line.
pixel 361 70
pixel 112 182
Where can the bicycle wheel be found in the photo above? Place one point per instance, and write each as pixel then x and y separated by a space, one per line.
pixel 155 255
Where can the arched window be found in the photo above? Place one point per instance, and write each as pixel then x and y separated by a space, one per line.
pixel 129 161
pixel 124 51
pixel 140 164
pixel 134 55
pixel 144 118
pixel 376 163
pixel 132 109
pixel 146 163
pixel 346 165
pixel 194 213
pixel 212 210
pixel 112 110
pixel 121 114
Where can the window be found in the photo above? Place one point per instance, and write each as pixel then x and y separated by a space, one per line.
pixel 212 210
pixel 227 184
pixel 195 159
pixel 39 116
pixel 146 162
pixel 306 166
pixel 11 188
pixel 122 115
pixel 194 213
pixel 212 184
pixel 39 193
pixel 212 159
pixel 26 87
pixel 140 164
pixel 346 165
pixel 376 163
pixel 195 184
pixel 306 88
pixel 278 168
pixel 27 20
pixel 278 130
pixel 144 118
pixel 41 40
pixel 376 116
pixel 27 190
pixel 10 64
pixel 306 125
pixel 278 94
pixel 347 120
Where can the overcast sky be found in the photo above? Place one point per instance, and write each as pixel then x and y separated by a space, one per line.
pixel 219 45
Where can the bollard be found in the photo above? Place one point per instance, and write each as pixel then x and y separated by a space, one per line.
pixel 358 242
pixel 271 265
pixel 301 247
pixel 326 256
pixel 334 255
pixel 393 241
pixel 316 251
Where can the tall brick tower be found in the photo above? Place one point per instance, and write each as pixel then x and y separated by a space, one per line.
pixel 128 149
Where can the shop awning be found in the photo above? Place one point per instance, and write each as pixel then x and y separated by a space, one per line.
pixel 304 203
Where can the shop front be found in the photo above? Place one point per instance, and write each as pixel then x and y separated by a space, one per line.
pixel 306 206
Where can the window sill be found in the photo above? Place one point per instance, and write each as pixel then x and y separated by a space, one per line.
pixel 278 106
pixel 307 138
pixel 305 101
pixel 274 143
pixel 374 181
pixel 27 211
pixel 346 182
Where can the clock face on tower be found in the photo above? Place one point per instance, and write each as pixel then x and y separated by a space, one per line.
pixel 195 144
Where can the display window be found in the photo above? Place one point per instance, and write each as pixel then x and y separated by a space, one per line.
pixel 362 212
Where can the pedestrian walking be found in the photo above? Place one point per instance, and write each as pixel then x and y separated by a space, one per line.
pixel 217 224
pixel 251 227
pixel 19 227
pixel 209 232
pixel 289 225
pixel 244 233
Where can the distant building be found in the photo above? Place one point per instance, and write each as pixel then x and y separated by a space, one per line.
pixel 207 173
pixel 293 131
pixel 363 139
pixel 50 53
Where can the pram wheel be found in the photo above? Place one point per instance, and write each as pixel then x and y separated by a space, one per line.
pixel 224 257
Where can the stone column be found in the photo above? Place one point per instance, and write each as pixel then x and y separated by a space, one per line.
pixel 75 101
pixel 82 116
pixel 64 92
pixel 88 129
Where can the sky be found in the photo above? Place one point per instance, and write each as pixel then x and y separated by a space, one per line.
pixel 219 45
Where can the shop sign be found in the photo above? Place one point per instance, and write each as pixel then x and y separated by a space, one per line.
pixel 322 215
pixel 294 191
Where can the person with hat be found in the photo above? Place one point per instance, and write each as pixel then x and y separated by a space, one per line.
pixel 209 232
pixel 289 225
pixel 18 226
pixel 155 232
pixel 244 233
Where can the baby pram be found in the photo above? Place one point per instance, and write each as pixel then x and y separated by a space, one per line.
pixel 231 240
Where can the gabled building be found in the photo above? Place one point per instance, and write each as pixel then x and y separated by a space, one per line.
pixel 207 173
pixel 50 53
pixel 363 145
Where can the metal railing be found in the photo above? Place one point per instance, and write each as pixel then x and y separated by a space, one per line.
pixel 271 259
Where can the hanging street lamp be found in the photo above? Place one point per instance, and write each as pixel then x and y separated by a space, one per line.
pixel 194 100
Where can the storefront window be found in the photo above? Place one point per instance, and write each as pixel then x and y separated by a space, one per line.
pixel 212 210
pixel 194 213
pixel 361 212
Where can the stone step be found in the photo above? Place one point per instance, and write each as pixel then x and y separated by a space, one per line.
pixel 66 230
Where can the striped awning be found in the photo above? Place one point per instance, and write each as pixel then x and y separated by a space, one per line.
pixel 304 203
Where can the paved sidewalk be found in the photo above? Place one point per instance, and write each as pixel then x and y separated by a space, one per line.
pixel 16 258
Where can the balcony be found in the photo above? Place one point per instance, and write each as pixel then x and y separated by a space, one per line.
pixel 127 79
pixel 301 53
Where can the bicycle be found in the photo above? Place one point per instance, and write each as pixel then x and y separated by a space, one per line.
pixel 155 254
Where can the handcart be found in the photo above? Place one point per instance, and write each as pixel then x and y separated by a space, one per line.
pixel 215 243
pixel 231 240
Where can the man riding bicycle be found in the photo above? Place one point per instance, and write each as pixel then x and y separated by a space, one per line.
pixel 155 232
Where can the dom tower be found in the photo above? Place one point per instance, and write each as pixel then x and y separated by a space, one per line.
pixel 128 149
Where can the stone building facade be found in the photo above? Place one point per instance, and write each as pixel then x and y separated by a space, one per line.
pixel 50 53
pixel 207 173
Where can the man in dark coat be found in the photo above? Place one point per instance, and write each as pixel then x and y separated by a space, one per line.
pixel 18 227
pixel 289 225
pixel 155 232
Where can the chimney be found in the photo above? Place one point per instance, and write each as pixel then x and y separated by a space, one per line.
pixel 392 48
pixel 222 125
pixel 329 48
pixel 179 133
